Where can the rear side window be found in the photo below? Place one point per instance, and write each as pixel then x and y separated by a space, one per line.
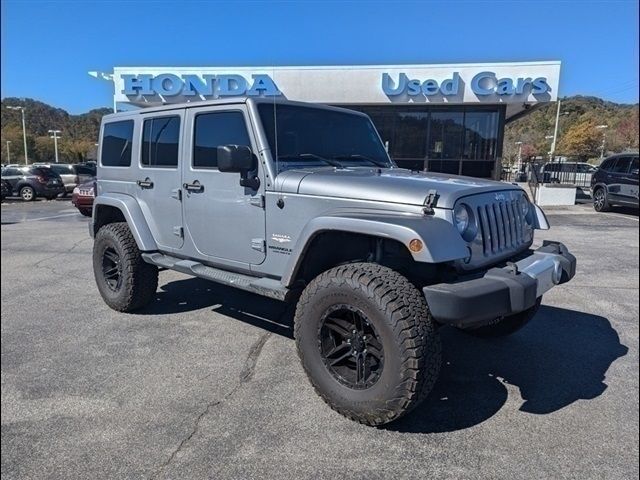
pixel 82 170
pixel 621 166
pixel 63 169
pixel 160 139
pixel 42 172
pixel 213 130
pixel 116 144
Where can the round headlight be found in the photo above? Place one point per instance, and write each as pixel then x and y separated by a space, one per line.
pixel 461 218
pixel 76 190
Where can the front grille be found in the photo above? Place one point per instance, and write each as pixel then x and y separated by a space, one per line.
pixel 502 226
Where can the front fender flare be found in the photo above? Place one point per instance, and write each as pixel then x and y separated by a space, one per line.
pixel 442 242
pixel 132 214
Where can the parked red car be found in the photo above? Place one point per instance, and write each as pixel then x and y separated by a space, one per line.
pixel 82 197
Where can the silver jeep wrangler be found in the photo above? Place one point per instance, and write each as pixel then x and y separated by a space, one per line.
pixel 302 203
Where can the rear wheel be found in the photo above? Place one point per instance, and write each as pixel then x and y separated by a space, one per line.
pixel 367 342
pixel 600 200
pixel 125 281
pixel 507 325
pixel 27 193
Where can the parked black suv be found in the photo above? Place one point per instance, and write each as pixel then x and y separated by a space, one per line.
pixel 615 182
pixel 32 182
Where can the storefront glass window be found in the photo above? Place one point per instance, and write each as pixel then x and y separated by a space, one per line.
pixel 457 140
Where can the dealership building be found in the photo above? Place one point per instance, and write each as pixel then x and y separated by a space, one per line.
pixel 439 118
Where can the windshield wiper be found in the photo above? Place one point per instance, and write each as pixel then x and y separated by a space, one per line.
pixel 377 163
pixel 293 156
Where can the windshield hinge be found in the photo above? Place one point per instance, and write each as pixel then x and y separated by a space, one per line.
pixel 257 201
pixel 431 201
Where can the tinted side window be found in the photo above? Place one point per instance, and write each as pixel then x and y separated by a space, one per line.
pixel 622 165
pixel 160 139
pixel 82 170
pixel 62 169
pixel 116 144
pixel 213 130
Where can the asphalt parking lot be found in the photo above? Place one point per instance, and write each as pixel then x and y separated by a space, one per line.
pixel 206 383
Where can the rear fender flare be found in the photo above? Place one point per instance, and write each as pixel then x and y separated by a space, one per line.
pixel 133 215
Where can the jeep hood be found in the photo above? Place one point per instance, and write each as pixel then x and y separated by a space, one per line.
pixel 393 185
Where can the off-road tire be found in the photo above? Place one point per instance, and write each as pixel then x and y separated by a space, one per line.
pixel 85 211
pixel 139 280
pixel 601 200
pixel 27 193
pixel 506 326
pixel 399 313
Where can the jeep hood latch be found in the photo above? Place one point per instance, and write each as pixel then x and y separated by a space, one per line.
pixel 431 201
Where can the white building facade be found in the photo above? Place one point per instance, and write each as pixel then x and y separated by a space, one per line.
pixel 444 118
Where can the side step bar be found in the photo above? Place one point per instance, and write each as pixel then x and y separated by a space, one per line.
pixel 262 286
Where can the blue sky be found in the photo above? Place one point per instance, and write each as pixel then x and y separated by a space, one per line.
pixel 48 46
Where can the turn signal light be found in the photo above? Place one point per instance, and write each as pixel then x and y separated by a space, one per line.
pixel 415 245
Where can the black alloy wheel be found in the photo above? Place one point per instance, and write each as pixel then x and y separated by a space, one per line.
pixel 112 269
pixel 350 347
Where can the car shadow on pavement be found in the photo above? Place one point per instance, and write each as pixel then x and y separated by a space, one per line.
pixel 195 293
pixel 560 357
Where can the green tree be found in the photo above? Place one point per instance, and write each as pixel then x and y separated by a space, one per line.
pixel 581 140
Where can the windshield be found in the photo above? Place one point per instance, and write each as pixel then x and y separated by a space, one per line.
pixel 308 136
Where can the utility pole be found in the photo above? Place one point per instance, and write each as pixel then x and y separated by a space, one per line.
pixel 54 135
pixel 8 151
pixel 555 133
pixel 24 132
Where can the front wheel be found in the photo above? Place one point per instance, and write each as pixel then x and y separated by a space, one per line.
pixel 600 200
pixel 367 342
pixel 507 325
pixel 125 281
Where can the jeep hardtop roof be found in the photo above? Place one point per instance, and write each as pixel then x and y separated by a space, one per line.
pixel 225 101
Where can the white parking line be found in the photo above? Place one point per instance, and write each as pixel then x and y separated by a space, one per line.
pixel 48 218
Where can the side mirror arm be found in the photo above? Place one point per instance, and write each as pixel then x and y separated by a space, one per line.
pixel 250 180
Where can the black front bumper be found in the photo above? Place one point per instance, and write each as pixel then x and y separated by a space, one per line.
pixel 500 292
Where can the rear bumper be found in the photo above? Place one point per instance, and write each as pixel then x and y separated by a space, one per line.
pixel 501 291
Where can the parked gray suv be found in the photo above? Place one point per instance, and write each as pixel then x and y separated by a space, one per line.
pixel 301 203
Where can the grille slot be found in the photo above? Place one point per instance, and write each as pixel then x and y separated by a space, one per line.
pixel 501 226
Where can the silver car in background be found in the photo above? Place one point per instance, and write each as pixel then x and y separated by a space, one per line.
pixel 72 175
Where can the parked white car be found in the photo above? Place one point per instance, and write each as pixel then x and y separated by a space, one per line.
pixel 576 173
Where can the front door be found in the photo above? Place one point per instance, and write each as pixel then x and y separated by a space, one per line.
pixel 159 177
pixel 225 221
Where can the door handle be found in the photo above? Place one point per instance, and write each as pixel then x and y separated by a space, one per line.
pixel 146 183
pixel 195 187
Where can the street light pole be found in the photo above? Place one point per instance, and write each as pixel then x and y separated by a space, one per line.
pixel 54 135
pixel 24 132
pixel 519 156
pixel 8 151
pixel 604 139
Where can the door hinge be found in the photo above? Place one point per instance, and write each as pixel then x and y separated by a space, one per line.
pixel 178 232
pixel 257 201
pixel 259 244
pixel 176 193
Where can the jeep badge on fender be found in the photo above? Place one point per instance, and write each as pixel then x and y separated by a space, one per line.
pixel 301 203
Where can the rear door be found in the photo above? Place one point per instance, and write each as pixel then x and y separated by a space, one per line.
pixel 616 177
pixel 225 221
pixel 159 176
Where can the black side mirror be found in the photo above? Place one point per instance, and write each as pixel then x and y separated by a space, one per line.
pixel 234 158
pixel 238 159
